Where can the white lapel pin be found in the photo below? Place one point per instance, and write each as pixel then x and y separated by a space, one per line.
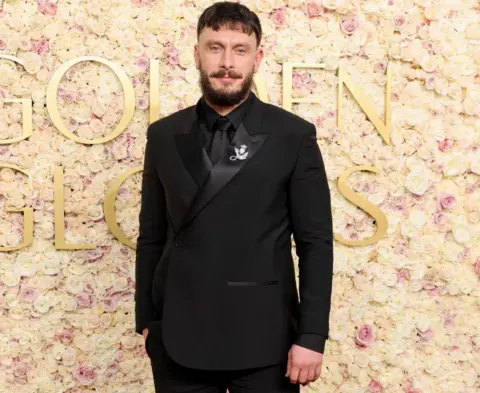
pixel 241 153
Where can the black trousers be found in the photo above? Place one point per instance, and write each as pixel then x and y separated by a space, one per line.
pixel 171 377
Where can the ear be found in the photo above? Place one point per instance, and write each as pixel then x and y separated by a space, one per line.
pixel 258 58
pixel 196 55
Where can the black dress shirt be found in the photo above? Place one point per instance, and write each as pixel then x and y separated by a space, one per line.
pixel 209 116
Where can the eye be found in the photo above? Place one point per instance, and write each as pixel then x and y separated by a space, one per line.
pixel 215 48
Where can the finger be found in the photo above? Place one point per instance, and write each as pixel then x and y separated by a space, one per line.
pixel 295 371
pixel 303 376
pixel 318 371
pixel 311 374
pixel 289 364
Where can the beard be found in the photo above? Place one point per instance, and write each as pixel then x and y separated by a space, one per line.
pixel 224 97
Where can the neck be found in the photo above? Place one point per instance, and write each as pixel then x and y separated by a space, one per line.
pixel 225 110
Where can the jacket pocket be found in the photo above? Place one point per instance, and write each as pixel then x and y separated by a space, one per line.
pixel 251 283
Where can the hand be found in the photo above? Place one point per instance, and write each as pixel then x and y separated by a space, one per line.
pixel 304 365
pixel 145 333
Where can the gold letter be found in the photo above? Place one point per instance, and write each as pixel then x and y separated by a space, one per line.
pixel 366 104
pixel 59 213
pixel 27 112
pixel 129 96
pixel 154 90
pixel 27 218
pixel 109 207
pixel 261 88
pixel 357 200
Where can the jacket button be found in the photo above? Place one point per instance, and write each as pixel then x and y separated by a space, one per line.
pixel 178 243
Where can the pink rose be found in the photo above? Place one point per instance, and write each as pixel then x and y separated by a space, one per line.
pixel 365 335
pixel 28 294
pixel 171 53
pixel 110 304
pixel 399 22
pixel 403 275
pixel 380 67
pixel 20 370
pixel 442 145
pixel 375 387
pixel 142 62
pixel 314 9
pixel 111 370
pixel 65 336
pixel 85 375
pixel 141 103
pixel 51 9
pixel 477 266
pixel 425 336
pixel 449 321
pixel 39 46
pixel 349 25
pixel 84 299
pixel 279 17
pixel 431 83
pixel 445 201
pixel 440 218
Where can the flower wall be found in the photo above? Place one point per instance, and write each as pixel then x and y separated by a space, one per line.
pixel 406 310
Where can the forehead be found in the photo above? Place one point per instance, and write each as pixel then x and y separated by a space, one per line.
pixel 227 35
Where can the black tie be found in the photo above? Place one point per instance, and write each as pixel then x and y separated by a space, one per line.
pixel 221 139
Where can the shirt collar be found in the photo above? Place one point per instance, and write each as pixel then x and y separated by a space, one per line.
pixel 235 116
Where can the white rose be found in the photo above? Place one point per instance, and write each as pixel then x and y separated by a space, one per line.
pixel 95 212
pixel 461 233
pixel 330 4
pixel 451 251
pixel 294 3
pixel 26 267
pixel 42 304
pixel 69 356
pixel 408 229
pixel 11 279
pixel 186 59
pixel 191 75
pixel 94 166
pixel 380 292
pixel 339 332
pixel 73 284
pixel 318 27
pixel 455 165
pixel 431 365
pixel 32 62
pixel 417 183
pixel 389 277
pixel 418 218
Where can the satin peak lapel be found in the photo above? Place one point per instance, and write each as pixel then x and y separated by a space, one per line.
pixel 195 160
pixel 191 151
pixel 246 143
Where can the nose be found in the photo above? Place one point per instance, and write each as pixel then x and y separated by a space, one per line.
pixel 227 59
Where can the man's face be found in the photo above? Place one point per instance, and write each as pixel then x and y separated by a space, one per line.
pixel 227 60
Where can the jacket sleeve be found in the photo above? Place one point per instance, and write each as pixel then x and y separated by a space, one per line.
pixel 152 235
pixel 311 218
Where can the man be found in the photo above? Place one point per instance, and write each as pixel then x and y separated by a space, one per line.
pixel 226 183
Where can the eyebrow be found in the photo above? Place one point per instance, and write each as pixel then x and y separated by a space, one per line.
pixel 216 42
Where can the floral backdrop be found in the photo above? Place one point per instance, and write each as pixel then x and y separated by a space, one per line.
pixel 406 310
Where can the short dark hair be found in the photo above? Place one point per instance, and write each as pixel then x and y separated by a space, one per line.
pixel 230 15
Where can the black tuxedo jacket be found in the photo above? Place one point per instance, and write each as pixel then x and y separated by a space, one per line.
pixel 215 277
